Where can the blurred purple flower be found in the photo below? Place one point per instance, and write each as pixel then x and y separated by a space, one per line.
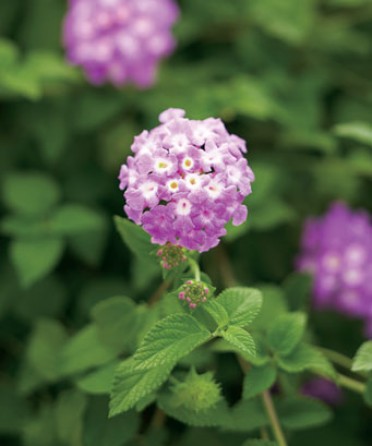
pixel 119 41
pixel 186 180
pixel 337 250
pixel 322 389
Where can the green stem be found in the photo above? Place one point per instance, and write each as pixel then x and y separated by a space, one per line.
pixel 269 407
pixel 195 269
pixel 273 417
pixel 339 359
pixel 351 384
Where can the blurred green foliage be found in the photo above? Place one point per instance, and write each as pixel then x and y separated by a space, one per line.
pixel 291 77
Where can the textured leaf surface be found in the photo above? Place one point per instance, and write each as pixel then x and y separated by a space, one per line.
pixel 132 384
pixel 241 304
pixel 306 357
pixel 240 339
pixel 169 340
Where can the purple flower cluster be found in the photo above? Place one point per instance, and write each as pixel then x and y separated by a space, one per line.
pixel 337 250
pixel 186 180
pixel 119 41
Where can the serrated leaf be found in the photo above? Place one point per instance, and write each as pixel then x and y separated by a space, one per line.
pixel 116 321
pixel 169 340
pixel 241 304
pixel 306 357
pixel 363 359
pixel 240 339
pixel 258 379
pixel 30 193
pixel 132 384
pixel 217 311
pixel 34 259
pixel 302 413
pixel 286 332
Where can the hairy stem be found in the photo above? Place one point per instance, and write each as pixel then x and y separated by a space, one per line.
pixel 351 384
pixel 195 269
pixel 273 417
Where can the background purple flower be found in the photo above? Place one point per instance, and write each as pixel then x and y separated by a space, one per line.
pixel 186 180
pixel 337 250
pixel 322 389
pixel 119 41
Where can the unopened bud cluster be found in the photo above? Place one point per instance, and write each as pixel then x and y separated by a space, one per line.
pixel 196 392
pixel 171 256
pixel 194 292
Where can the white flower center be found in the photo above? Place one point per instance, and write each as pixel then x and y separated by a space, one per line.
pixel 214 189
pixel 331 262
pixel 173 185
pixel 183 207
pixel 149 189
pixel 162 165
pixel 192 181
pixel 187 163
pixel 353 277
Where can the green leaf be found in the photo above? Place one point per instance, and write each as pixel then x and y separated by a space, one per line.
pixel 84 351
pixel 116 321
pixel 302 413
pixel 288 20
pixel 273 305
pixel 14 411
pixel 240 338
pixel 363 359
pixel 169 340
pixel 217 311
pixel 286 332
pixel 360 132
pixel 246 416
pixel 46 342
pixel 34 259
pixel 241 304
pixel 368 392
pixel 258 379
pixel 69 416
pixel 98 382
pixel 101 431
pixel 306 357
pixel 30 193
pixel 73 219
pixel 132 384
pixel 137 240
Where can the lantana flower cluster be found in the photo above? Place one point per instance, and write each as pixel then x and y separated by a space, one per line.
pixel 119 41
pixel 337 250
pixel 186 180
